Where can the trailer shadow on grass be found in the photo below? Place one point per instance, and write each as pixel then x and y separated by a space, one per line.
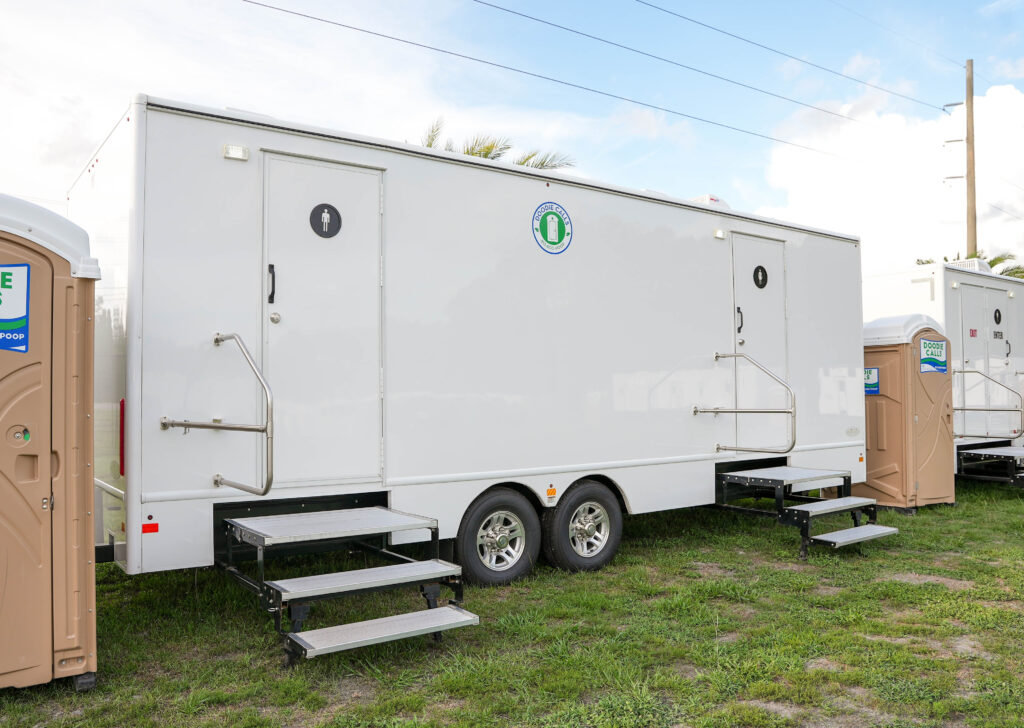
pixel 704 619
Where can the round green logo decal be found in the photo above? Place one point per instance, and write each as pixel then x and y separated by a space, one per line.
pixel 552 228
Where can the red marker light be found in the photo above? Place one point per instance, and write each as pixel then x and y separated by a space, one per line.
pixel 150 527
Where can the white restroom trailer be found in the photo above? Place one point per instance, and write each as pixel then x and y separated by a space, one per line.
pixel 498 350
pixel 982 315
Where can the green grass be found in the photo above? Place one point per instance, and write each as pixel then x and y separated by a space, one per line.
pixel 705 619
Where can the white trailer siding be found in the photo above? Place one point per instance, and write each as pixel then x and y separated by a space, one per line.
pixel 965 303
pixel 491 359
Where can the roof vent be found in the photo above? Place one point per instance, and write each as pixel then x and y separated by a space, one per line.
pixel 713 200
pixel 975 264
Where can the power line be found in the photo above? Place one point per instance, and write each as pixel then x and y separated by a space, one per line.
pixel 1005 212
pixel 569 84
pixel 907 38
pixel 919 44
pixel 792 57
pixel 663 59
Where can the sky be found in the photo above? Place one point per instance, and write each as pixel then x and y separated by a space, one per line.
pixel 881 161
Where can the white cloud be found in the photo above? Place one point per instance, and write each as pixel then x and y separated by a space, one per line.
pixel 1010 69
pixel 888 186
pixel 999 6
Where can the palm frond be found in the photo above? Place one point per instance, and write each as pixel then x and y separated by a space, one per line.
pixel 545 160
pixel 1001 258
pixel 925 261
pixel 433 135
pixel 1013 271
pixel 486 146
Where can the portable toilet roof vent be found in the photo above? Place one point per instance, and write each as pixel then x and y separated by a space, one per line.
pixel 898 329
pixel 976 264
pixel 713 200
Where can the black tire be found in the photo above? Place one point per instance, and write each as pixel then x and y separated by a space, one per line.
pixel 497 512
pixel 560 545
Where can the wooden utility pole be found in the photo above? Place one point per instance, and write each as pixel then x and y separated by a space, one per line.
pixel 972 210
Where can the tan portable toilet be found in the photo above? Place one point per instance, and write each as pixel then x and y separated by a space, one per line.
pixel 908 387
pixel 47 574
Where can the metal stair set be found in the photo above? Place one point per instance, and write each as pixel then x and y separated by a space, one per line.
pixel 997 461
pixel 786 483
pixel 289 600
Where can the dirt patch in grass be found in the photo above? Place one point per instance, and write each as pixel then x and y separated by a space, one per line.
pixel 824 590
pixel 784 710
pixel 727 637
pixel 684 669
pixel 711 570
pixel 914 578
pixel 967 647
pixel 823 663
pixel 352 690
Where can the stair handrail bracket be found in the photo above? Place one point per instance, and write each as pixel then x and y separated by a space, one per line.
pixel 790 410
pixel 1019 409
pixel 266 429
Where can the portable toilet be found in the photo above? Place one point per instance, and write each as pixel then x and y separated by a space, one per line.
pixel 908 391
pixel 47 574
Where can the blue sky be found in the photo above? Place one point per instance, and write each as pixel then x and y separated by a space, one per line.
pixel 73 67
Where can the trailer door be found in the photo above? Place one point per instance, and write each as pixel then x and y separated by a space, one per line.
pixel 986 319
pixel 323 355
pixel 759 286
pixel 26 617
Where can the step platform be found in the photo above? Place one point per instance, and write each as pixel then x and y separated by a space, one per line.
pixel 378 577
pixel 785 484
pixel 997 462
pixel 316 642
pixel 324 525
pixel 289 600
pixel 849 536
pixel 796 480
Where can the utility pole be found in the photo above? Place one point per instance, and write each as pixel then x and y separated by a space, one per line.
pixel 972 210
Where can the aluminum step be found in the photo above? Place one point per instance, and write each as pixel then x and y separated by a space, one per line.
pixel 321 525
pixel 798 479
pixel 324 641
pixel 414 572
pixel 848 536
pixel 994 453
pixel 833 505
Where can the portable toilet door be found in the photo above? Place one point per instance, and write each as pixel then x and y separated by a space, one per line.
pixel 909 401
pixel 47 577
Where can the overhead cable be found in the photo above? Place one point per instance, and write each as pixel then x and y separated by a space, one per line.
pixel 513 69
pixel 663 59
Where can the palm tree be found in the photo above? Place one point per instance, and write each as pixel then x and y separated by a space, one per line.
pixel 1002 259
pixel 494 147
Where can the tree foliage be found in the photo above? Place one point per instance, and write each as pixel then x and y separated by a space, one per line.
pixel 489 146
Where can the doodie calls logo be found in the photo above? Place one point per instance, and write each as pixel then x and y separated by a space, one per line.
pixel 552 228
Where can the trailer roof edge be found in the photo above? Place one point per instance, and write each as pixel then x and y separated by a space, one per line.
pixel 248 118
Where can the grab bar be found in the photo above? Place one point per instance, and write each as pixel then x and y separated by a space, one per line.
pixel 1019 409
pixel 791 410
pixel 267 428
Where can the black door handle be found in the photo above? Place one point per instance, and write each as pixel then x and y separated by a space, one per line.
pixel 1008 349
pixel 273 283
pixel 740 312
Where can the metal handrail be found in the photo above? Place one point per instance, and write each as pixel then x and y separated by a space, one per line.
pixel 791 410
pixel 267 428
pixel 1019 409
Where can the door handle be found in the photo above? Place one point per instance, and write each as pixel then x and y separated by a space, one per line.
pixel 740 312
pixel 273 283
pixel 1008 349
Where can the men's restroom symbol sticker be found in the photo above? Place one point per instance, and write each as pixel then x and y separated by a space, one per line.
pixel 325 220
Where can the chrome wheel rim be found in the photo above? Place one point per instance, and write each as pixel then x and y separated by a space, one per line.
pixel 501 540
pixel 588 529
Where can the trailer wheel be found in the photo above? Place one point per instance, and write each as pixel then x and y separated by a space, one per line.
pixel 583 531
pixel 499 539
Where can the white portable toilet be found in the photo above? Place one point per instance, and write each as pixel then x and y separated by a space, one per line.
pixel 47 570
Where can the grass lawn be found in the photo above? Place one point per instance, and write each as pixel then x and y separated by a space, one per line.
pixel 704 619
